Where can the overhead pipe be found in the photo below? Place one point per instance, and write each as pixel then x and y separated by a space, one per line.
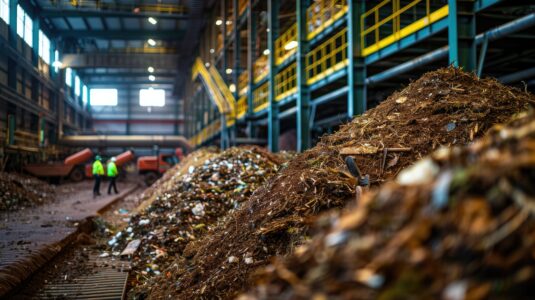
pixel 493 34
pixel 517 76
pixel 145 141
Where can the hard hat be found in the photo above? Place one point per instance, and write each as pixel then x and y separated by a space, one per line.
pixel 98 157
pixel 113 159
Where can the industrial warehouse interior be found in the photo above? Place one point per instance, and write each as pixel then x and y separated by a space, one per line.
pixel 267 149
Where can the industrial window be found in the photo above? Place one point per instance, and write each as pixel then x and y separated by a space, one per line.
pixel 84 95
pixel 103 97
pixel 24 26
pixel 68 76
pixel 77 86
pixel 4 10
pixel 56 61
pixel 151 97
pixel 44 47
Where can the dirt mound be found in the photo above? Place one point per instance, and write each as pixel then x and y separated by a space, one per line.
pixel 20 191
pixel 444 107
pixel 188 204
pixel 467 231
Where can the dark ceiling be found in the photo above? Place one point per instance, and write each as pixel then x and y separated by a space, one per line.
pixel 112 29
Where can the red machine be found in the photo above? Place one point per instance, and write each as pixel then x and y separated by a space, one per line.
pixel 121 160
pixel 71 167
pixel 152 167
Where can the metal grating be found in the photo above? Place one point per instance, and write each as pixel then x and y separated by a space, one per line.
pixel 107 283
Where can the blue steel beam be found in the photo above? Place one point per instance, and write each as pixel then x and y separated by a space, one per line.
pixel 480 5
pixel 517 76
pixel 461 34
pixel 76 13
pixel 273 110
pixel 303 92
pixel 493 34
pixel 356 97
pixel 251 46
pixel 141 34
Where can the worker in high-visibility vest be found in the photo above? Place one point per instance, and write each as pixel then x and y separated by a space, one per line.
pixel 98 171
pixel 112 175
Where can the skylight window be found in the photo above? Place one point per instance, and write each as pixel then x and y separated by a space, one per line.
pixel 152 97
pixel 4 10
pixel 68 76
pixel 44 47
pixel 24 26
pixel 103 97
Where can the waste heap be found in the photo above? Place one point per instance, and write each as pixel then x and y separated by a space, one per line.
pixel 174 174
pixel 444 107
pixel 20 191
pixel 186 210
pixel 466 231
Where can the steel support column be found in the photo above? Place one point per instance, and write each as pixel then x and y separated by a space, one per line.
pixel 356 96
pixel 12 28
pixel 237 69
pixel 12 36
pixel 303 93
pixel 251 46
pixel 36 46
pixel 273 111
pixel 461 34
pixel 224 48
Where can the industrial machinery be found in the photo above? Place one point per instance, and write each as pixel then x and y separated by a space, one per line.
pixel 152 167
pixel 121 160
pixel 72 167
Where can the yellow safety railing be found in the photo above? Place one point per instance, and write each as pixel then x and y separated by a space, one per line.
pixel 227 94
pixel 241 107
pixel 260 97
pixel 386 31
pixel 286 82
pixel 261 68
pixel 322 14
pixel 242 5
pixel 286 44
pixel 206 133
pixel 200 69
pixel 243 83
pixel 223 87
pixel 327 58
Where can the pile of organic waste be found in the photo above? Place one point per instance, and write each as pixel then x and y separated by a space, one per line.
pixel 464 231
pixel 187 206
pixel 442 108
pixel 19 191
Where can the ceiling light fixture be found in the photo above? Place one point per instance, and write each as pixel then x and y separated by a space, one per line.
pixel 291 45
pixel 219 22
pixel 57 64
pixel 152 78
pixel 152 20
pixel 212 50
pixel 228 71
pixel 151 42
pixel 207 65
pixel 150 69
pixel 266 52
pixel 232 88
pixel 228 22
